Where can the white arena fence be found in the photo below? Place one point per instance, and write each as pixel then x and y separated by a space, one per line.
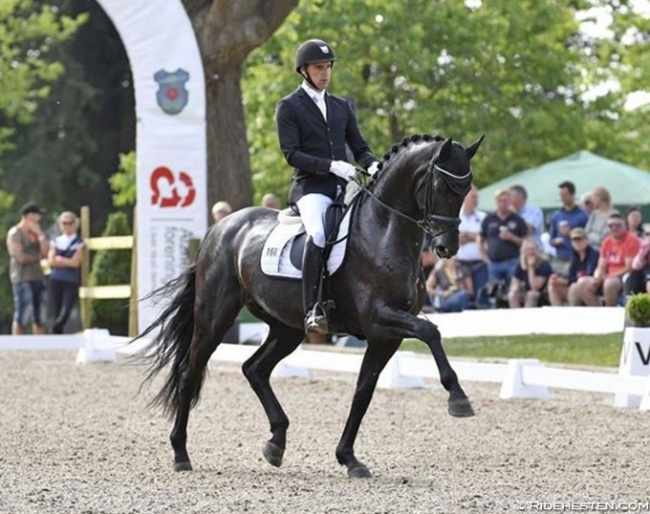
pixel 519 378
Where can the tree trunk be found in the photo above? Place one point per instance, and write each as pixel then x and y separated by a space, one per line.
pixel 228 158
pixel 227 31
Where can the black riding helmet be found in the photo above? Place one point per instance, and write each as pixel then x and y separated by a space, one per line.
pixel 313 50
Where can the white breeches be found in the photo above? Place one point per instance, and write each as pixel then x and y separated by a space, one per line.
pixel 312 211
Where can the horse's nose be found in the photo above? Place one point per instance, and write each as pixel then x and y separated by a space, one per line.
pixel 442 251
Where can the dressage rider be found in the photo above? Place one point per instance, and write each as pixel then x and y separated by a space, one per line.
pixel 313 129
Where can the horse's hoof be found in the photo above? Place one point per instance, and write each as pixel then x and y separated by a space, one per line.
pixel 182 466
pixel 460 408
pixel 273 454
pixel 359 472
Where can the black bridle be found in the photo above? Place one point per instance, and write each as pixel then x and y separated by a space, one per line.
pixel 458 184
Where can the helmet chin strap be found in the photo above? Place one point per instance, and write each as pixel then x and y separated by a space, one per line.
pixel 306 76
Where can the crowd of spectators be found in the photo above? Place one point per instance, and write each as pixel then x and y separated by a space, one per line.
pixel 586 253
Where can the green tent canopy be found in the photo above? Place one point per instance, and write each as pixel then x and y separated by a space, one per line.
pixel 626 184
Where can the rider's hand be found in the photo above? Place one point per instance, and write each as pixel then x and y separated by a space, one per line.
pixel 343 169
pixel 373 168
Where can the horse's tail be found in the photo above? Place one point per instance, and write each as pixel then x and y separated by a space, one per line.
pixel 175 327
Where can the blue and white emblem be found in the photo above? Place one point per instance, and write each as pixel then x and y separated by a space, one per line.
pixel 172 96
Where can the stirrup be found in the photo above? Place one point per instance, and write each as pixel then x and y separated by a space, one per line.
pixel 316 321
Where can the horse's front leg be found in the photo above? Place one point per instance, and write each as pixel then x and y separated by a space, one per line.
pixel 406 325
pixel 377 355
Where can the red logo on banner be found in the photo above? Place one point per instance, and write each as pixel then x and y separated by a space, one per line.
pixel 164 190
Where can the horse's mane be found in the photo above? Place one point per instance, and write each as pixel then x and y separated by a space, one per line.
pixel 405 143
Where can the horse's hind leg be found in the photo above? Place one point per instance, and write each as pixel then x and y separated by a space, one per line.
pixel 211 322
pixel 281 341
pixel 375 359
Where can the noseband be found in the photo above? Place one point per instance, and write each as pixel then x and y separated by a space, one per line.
pixel 458 184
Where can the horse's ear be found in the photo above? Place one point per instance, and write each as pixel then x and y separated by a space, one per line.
pixel 444 153
pixel 471 149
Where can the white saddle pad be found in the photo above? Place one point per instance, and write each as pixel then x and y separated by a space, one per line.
pixel 276 261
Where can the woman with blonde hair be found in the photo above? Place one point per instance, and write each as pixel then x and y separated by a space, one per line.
pixel 64 257
pixel 450 286
pixel 530 278
pixel 596 227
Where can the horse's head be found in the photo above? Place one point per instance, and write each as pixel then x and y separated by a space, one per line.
pixel 440 191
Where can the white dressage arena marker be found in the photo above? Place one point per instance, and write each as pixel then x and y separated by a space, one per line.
pixel 514 385
pixel 635 362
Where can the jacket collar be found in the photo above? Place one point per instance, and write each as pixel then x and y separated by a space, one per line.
pixel 310 104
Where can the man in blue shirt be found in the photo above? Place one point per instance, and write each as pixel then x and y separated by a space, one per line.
pixel 533 216
pixel 500 238
pixel 567 217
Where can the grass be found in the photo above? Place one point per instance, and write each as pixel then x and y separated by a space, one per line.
pixel 584 349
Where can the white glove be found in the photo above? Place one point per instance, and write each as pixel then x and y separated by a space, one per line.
pixel 343 169
pixel 373 168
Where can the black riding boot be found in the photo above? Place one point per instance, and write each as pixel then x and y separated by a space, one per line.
pixel 312 269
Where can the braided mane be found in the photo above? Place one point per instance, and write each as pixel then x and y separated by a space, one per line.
pixel 415 138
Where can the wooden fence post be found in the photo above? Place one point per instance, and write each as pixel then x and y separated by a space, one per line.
pixel 85 265
pixel 133 301
pixel 87 293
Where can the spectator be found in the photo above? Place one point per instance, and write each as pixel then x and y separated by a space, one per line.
pixel 533 216
pixel 596 227
pixel 220 210
pixel 27 245
pixel 64 257
pixel 469 254
pixel 583 264
pixel 529 280
pixel 634 219
pixel 566 218
pixel 638 280
pixel 616 254
pixel 500 238
pixel 270 201
pixel 449 286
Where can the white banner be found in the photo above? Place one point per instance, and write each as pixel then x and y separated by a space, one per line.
pixel 170 138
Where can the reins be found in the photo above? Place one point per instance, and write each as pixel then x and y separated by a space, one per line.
pixel 427 223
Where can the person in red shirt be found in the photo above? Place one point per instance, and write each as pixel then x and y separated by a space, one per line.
pixel 639 279
pixel 617 251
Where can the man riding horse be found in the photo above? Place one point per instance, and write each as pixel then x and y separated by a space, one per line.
pixel 378 289
pixel 313 129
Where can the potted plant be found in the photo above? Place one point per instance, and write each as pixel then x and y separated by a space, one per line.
pixel 635 352
pixel 637 311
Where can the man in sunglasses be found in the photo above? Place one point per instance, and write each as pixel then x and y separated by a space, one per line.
pixel 617 251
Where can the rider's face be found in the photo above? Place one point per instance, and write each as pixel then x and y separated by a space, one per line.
pixel 320 73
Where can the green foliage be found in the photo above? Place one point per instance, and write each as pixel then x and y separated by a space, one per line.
pixel 112 267
pixel 28 32
pixel 583 349
pixel 637 310
pixel 123 181
pixel 515 71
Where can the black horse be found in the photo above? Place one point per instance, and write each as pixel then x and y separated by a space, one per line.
pixel 378 293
